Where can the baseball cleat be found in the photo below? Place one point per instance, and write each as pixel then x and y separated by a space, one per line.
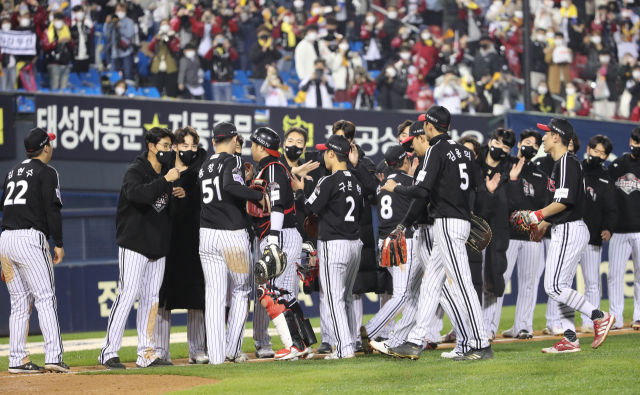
pixel 451 354
pixel 601 328
pixel 406 350
pixel 265 352
pixel 199 359
pixel 60 367
pixel 380 347
pixel 366 346
pixel 335 356
pixel 359 347
pixel 158 362
pixel 586 328
pixel 325 348
pixel 636 326
pixel 114 364
pixel 27 368
pixel 475 355
pixel 511 332
pixel 431 346
pixel 291 353
pixel 239 359
pixel 554 331
pixel 491 336
pixel 449 337
pixel 563 346
pixel 524 334
pixel 381 339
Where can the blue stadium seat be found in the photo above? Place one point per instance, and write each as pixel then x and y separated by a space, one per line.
pixel 143 64
pixel 131 91
pixel 149 92
pixel 241 76
pixel 343 105
pixel 374 73
pixel 74 81
pixel 113 76
pixel 519 106
pixel 355 45
pixel 88 91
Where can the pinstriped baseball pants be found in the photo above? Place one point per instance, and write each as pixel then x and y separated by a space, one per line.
pixel 226 262
pixel 139 277
pixel 195 333
pixel 621 247
pixel 590 263
pixel 553 312
pixel 28 270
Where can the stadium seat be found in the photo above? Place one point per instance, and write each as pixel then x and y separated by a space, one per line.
pixel 241 76
pixel 88 91
pixel 131 91
pixel 143 64
pixel 519 106
pixel 75 81
pixel 374 73
pixel 355 45
pixel 343 105
pixel 113 76
pixel 149 92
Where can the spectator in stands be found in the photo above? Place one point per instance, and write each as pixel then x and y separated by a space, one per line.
pixel 222 56
pixel 331 38
pixel 627 39
pixel 318 87
pixel 363 90
pixel 487 59
pixel 558 56
pixel 8 65
pixel 450 93
pixel 342 66
pixel 187 27
pixel 275 91
pixel 299 13
pixel 58 51
pixel 547 16
pixel 263 53
pixel 82 34
pixel 120 88
pixel 308 51
pixel 287 40
pixel 165 46
pixel 488 93
pixel 509 92
pixel 119 32
pixel 392 89
pixel 605 93
pixel 633 86
pixel 426 53
pixel 539 67
pixel 472 101
pixel 371 33
pixel 249 19
pixel 543 101
pixel 210 28
pixel 390 27
pixel 576 103
pixel 317 18
pixel 190 75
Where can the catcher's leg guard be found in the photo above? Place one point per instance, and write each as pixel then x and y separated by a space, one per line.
pixel 289 329
pixel 306 330
pixel 309 335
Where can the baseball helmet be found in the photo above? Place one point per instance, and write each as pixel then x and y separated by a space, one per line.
pixel 267 138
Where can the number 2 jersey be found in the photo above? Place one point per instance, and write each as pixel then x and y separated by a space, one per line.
pixel 392 207
pixel 337 200
pixel 223 193
pixel 31 199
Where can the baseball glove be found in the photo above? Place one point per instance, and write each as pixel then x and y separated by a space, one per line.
pixel 394 249
pixel 308 268
pixel 256 208
pixel 272 263
pixel 521 221
pixel 480 234
pixel 311 226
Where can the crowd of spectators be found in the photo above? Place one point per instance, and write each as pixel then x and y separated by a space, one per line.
pixel 396 54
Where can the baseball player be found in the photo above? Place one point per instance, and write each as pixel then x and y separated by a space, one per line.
pixel 569 237
pixel 533 184
pixel 183 283
pixel 600 218
pixel 447 178
pixel 31 214
pixel 143 233
pixel 278 229
pixel 625 172
pixel 225 250
pixel 337 200
pixel 403 133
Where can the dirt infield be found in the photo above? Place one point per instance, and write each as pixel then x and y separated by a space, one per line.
pixel 53 384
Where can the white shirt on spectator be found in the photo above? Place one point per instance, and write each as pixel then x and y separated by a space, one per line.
pixel 311 100
pixel 339 71
pixel 275 97
pixel 450 97
pixel 305 57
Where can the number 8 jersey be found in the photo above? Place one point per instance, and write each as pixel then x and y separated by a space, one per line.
pixel 392 206
pixel 31 199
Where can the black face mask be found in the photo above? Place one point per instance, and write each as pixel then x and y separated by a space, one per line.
pixel 163 157
pixel 237 153
pixel 445 55
pixel 485 46
pixel 528 152
pixel 497 153
pixel 187 156
pixel 635 151
pixel 595 161
pixel 293 152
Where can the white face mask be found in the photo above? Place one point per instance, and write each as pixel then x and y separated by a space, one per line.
pixel 6 27
pixel 391 72
pixel 596 39
pixel 58 24
pixel 298 4
pixel 392 15
pixel 425 36
pixel 564 4
pixel 542 90
pixel 165 28
pixel 190 54
pixel 405 35
pixel 405 55
pixel 559 42
pixel 541 37
pixel 636 74
pixel 570 91
pixel 286 19
pixel 120 91
pixel 79 16
pixel 548 4
pixel 371 19
pixel 604 59
pixel 518 14
pixel 312 36
pixel 24 22
pixel 121 14
pixel 316 11
pixel 550 35
pixel 344 47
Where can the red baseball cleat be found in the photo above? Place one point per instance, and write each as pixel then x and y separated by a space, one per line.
pixel 562 346
pixel 601 327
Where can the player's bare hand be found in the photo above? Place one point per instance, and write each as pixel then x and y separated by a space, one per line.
pixel 302 170
pixel 516 169
pixel 179 192
pixel 297 183
pixel 606 235
pixel 389 186
pixel 414 167
pixel 248 171
pixel 353 155
pixel 492 183
pixel 380 176
pixel 172 175
pixel 59 254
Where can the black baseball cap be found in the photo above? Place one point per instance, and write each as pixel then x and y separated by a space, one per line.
pixel 36 139
pixel 224 130
pixel 395 155
pixel 336 143
pixel 415 129
pixel 560 126
pixel 437 115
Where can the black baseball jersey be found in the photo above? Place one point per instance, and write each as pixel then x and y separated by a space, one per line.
pixel 566 185
pixel 223 193
pixel 31 199
pixel 337 200
pixel 280 191
pixel 545 163
pixel 392 206
pixel 533 196
pixel 602 211
pixel 625 172
pixel 448 174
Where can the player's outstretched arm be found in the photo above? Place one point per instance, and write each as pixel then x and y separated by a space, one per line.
pixel 416 209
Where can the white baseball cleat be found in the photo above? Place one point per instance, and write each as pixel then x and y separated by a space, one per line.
pixel 265 352
pixel 199 359
pixel 380 347
pixel 335 356
pixel 510 333
pixel 451 354
pixel 292 353
pixel 554 331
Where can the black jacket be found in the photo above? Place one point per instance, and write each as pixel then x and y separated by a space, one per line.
pixel 391 95
pixel 537 57
pixel 143 221
pixel 261 59
pixel 183 284
pixel 77 29
pixel 533 183
pixel 625 173
pixel 602 210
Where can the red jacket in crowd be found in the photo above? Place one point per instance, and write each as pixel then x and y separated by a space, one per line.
pixel 427 56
